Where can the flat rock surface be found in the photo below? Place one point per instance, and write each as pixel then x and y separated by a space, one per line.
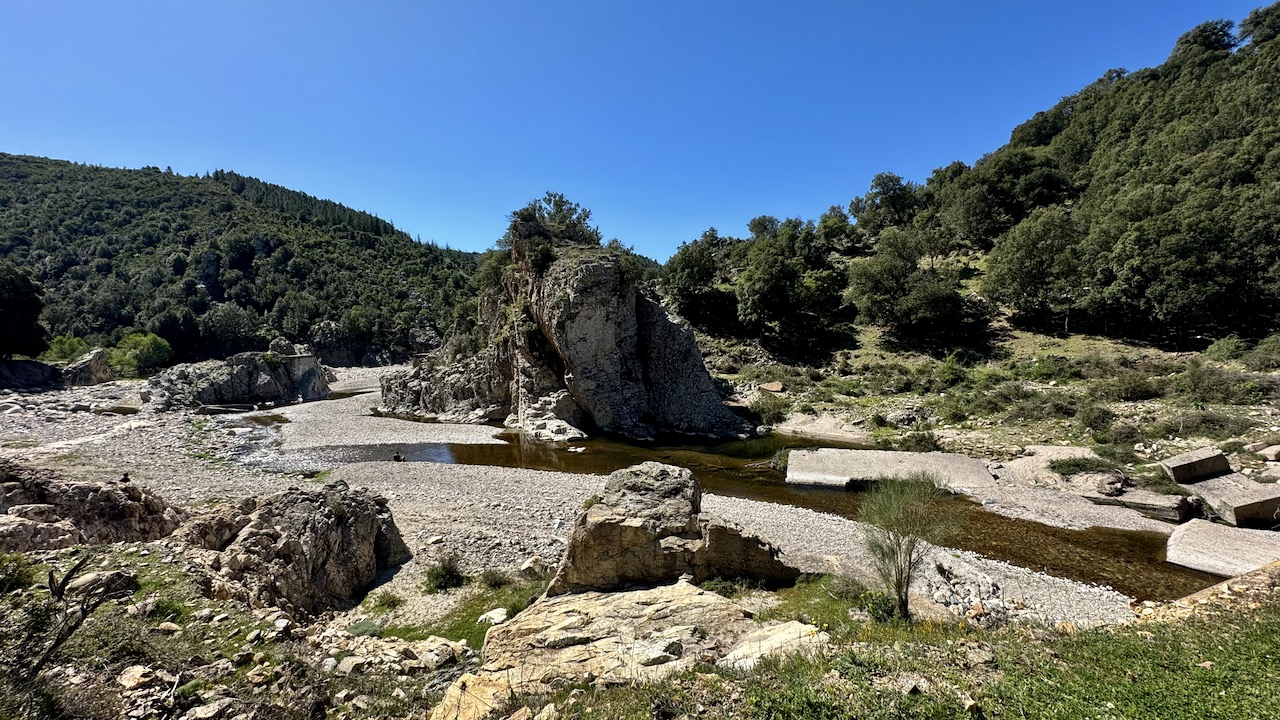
pixel 1196 465
pixel 1222 550
pixel 833 466
pixel 348 421
pixel 1239 500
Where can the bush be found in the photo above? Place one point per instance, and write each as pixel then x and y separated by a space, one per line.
pixel 1095 418
pixel 902 513
pixel 16 572
pixel 386 601
pixel 771 409
pixel 1230 347
pixel 1067 467
pixel 1119 453
pixel 445 574
pixel 919 442
pixel 1208 384
pixel 366 628
pixel 493 578
pixel 1201 424
pixel 1053 367
pixel 139 354
pixel 65 347
pixel 1043 406
pixel 1265 356
pixel 1128 386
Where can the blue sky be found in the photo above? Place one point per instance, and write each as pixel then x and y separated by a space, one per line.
pixel 664 118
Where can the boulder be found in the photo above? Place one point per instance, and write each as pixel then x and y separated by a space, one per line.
pixel 1196 465
pixel 1221 550
pixel 586 329
pixel 1239 500
pixel 838 467
pixel 89 369
pixel 613 638
pixel 648 528
pixel 247 378
pixel 302 550
pixel 43 511
pixel 474 697
pixel 781 639
pixel 28 375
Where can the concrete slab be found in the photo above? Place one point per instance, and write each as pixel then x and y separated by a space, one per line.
pixel 1196 465
pixel 1221 550
pixel 837 467
pixel 1239 500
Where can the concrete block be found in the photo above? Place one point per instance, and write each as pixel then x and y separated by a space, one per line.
pixel 1221 550
pixel 1196 465
pixel 837 467
pixel 1238 500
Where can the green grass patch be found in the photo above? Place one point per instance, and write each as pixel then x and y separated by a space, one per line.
pixel 460 622
pixel 1066 467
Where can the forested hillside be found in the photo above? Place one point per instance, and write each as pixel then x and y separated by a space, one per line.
pixel 215 264
pixel 1146 205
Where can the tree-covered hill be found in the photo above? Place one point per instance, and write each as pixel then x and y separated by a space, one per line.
pixel 213 264
pixel 1146 205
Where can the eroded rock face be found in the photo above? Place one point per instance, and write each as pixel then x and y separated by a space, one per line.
pixel 89 369
pixel 39 510
pixel 247 378
pixel 648 528
pixel 589 334
pixel 302 550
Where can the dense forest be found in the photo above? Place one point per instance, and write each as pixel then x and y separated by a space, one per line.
pixel 218 263
pixel 1146 206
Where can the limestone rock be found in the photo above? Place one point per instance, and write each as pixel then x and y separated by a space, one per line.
pixel 43 511
pixel 648 529
pixel 595 351
pixel 247 378
pixel 788 638
pixel 304 550
pixel 613 638
pixel 473 697
pixel 1196 465
pixel 89 369
pixel 1221 550
pixel 1238 500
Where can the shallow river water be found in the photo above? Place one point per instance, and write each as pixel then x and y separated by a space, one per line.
pixel 1129 561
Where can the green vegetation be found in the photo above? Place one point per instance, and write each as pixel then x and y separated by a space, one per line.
pixel 1067 467
pixel 213 264
pixel 460 622
pixel 444 574
pixel 20 306
pixel 901 514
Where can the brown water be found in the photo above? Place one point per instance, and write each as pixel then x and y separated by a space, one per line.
pixel 1129 561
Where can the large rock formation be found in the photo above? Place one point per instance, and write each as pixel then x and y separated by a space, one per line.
pixel 41 511
pixel 88 369
pixel 301 550
pixel 579 347
pixel 247 378
pixel 28 375
pixel 648 528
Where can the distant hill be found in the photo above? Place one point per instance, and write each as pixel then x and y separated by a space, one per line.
pixel 213 264
pixel 1146 205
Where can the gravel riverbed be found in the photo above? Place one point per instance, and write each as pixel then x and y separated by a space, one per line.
pixel 491 516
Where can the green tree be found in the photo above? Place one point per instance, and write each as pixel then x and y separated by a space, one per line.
pixel 1035 267
pixel 21 300
pixel 902 514
pixel 904 288
pixel 139 354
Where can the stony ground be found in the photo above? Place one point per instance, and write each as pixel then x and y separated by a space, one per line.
pixel 490 516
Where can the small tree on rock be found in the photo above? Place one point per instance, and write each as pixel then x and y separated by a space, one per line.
pixel 901 515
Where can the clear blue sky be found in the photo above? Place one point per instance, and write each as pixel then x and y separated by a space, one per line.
pixel 664 118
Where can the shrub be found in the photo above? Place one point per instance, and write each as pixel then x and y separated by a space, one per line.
pixel 1054 367
pixel 1043 406
pixel 1265 356
pixel 65 347
pixel 386 601
pixel 771 409
pixel 1095 418
pixel 445 574
pixel 493 578
pixel 1067 467
pixel 366 628
pixel 16 572
pixel 139 354
pixel 1230 347
pixel 731 587
pixel 1119 453
pixel 1208 384
pixel 1128 386
pixel 1201 424
pixel 901 514
pixel 919 442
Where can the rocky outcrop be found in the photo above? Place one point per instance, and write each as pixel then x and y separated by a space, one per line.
pixel 41 511
pixel 89 369
pixel 581 345
pixel 244 379
pixel 648 528
pixel 1221 550
pixel 28 375
pixel 302 550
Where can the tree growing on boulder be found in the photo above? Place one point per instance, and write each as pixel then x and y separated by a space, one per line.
pixel 901 514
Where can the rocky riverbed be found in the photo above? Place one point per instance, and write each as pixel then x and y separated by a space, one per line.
pixel 490 516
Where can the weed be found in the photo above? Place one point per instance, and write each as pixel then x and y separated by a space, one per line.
pixel 730 587
pixel 445 574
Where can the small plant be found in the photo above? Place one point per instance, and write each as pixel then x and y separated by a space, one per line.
pixel 386 601
pixel 16 572
pixel 1095 418
pixel 366 628
pixel 919 442
pixel 771 409
pixel 494 578
pixel 901 514
pixel 445 574
pixel 1230 347
pixel 590 502
pixel 779 461
pixel 171 609
pixel 730 587
pixel 1128 386
pixel 188 691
